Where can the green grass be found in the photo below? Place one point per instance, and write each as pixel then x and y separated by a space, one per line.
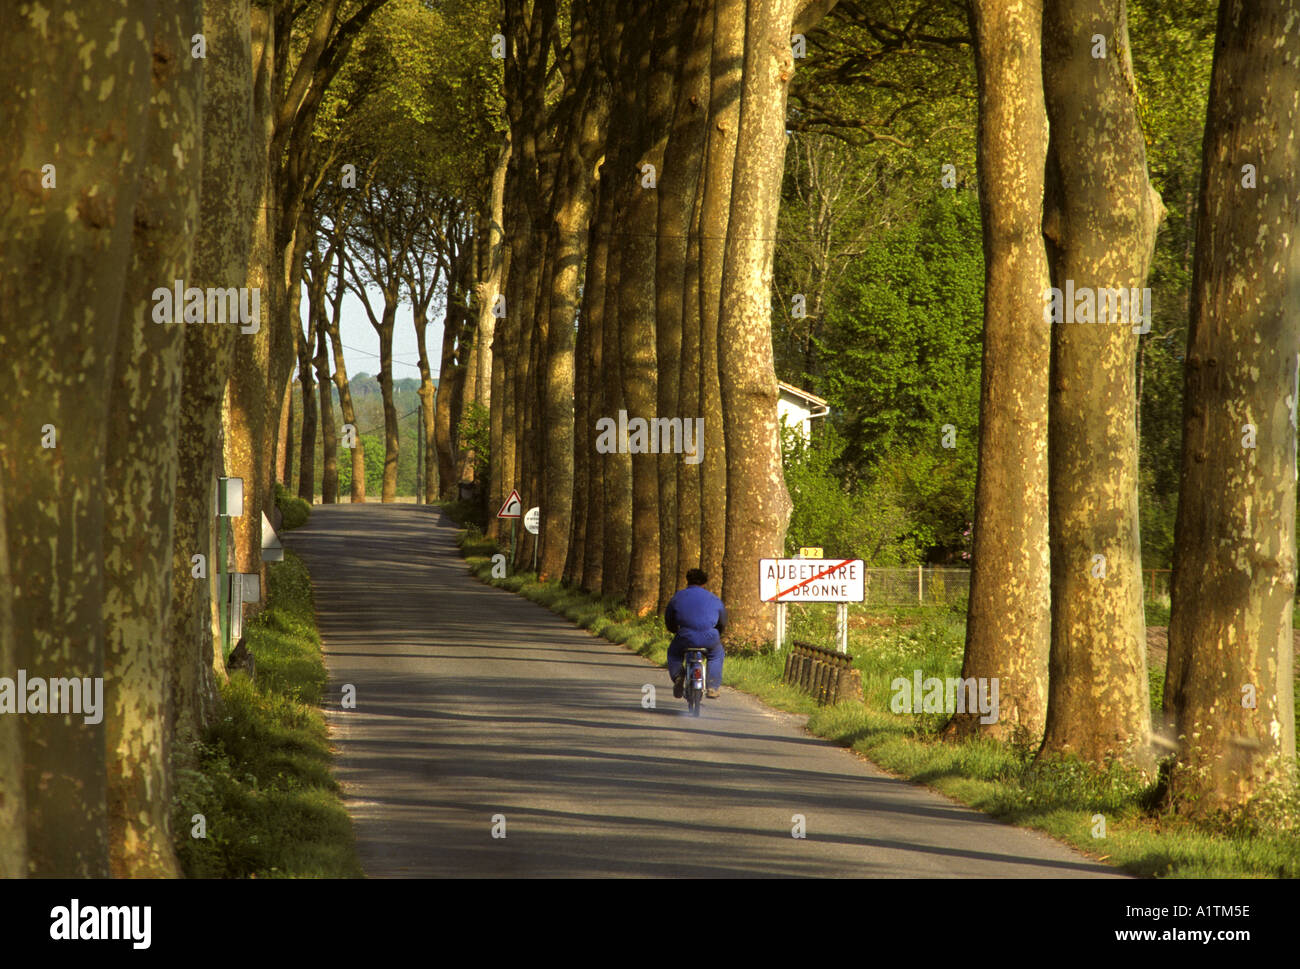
pixel 1059 797
pixel 261 775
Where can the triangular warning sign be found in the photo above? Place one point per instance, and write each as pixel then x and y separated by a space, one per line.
pixel 513 508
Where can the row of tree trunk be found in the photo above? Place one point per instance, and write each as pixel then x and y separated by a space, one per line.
pixel 1056 606
pixel 629 170
pixel 157 160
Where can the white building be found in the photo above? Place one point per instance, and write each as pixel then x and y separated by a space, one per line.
pixel 798 408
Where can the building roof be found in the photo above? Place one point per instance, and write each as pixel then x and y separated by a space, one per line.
pixel 791 389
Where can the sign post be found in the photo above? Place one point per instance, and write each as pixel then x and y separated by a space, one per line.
pixel 532 522
pixel 512 509
pixel 230 504
pixel 812 580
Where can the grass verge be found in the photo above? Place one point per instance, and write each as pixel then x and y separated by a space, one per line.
pixel 261 775
pixel 1063 798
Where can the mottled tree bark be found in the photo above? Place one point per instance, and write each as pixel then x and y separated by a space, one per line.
pixel 139 492
pixel 1228 685
pixel 1008 624
pixel 252 388
pixel 596 389
pixel 1100 222
pixel 67 250
pixel 220 260
pixel 725 72
pixel 384 327
pixel 490 275
pixel 676 299
pixel 356 453
pixel 13 799
pixel 307 443
pixel 620 174
pixel 437 413
pixel 574 187
pixel 329 485
pixel 651 34
pixel 758 506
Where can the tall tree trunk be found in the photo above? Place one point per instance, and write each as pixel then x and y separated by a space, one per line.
pixel 284 438
pixel 689 475
pixel 595 401
pixel 636 310
pixel 356 453
pixel 758 506
pixel 139 492
pixel 13 800
pixel 616 467
pixel 307 444
pixel 391 441
pixel 575 557
pixel 490 276
pixel 676 300
pixel 246 407
pixel 1100 222
pixel 64 278
pixel 725 74
pixel 292 422
pixel 329 486
pixel 574 188
pixel 1008 624
pixel 1229 678
pixel 440 410
pixel 220 260
pixel 429 445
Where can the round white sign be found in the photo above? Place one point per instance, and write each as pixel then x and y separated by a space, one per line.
pixel 533 520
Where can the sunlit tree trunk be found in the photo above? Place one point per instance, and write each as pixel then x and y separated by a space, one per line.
pixel 596 400
pixel 676 296
pixel 139 491
pixel 220 260
pixel 1229 684
pixel 329 486
pixel 307 443
pixel 1100 222
pixel 1008 625
pixel 725 72
pixel 67 250
pixel 356 453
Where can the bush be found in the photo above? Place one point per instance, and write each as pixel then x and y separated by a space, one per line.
pixel 294 512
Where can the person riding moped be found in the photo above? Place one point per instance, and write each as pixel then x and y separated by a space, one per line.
pixel 697 618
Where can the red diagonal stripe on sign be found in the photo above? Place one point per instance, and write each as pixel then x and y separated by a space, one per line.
pixel 812 578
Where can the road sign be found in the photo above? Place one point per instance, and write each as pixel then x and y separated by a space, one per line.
pixel 811 580
pixel 533 519
pixel 514 506
pixel 814 552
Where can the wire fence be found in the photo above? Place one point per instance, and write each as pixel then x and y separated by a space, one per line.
pixel 926 588
pixel 922 586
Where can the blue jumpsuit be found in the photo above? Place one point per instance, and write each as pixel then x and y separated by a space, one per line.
pixel 697 616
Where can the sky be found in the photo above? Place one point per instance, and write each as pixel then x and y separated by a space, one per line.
pixel 361 342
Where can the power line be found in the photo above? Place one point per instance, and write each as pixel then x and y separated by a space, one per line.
pixel 367 353
pixel 384 427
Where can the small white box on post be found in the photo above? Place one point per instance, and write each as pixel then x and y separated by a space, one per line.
pixel 230 497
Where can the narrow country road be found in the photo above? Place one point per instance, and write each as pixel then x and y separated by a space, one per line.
pixel 472 702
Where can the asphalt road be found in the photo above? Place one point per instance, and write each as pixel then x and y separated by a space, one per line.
pixel 473 703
